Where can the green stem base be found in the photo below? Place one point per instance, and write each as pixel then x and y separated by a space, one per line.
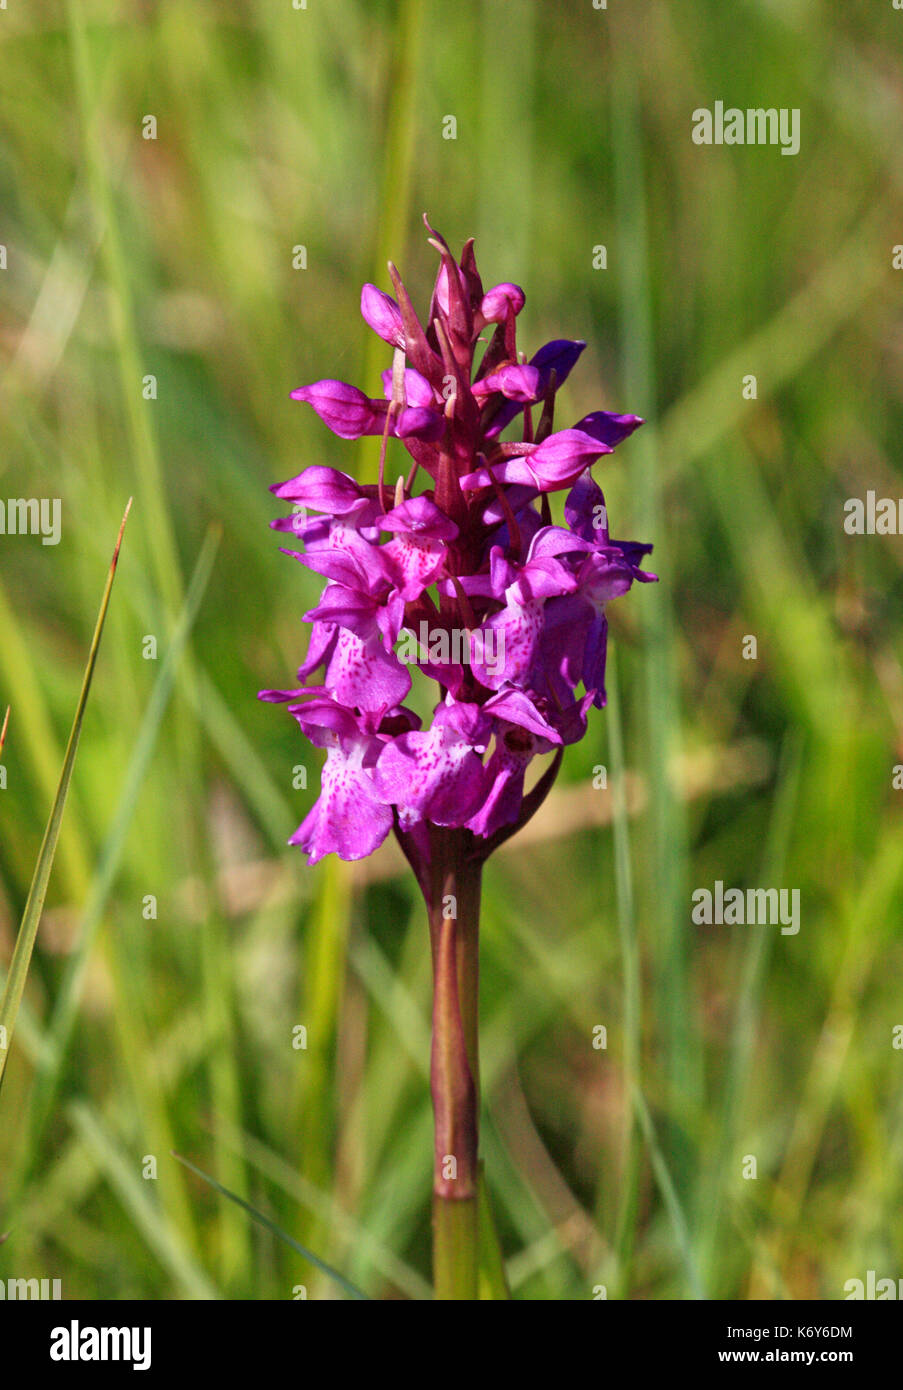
pixel 455 1243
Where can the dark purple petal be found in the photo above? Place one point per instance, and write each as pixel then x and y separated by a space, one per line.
pixel 517 498
pixel 633 552
pixel 584 510
pixel 567 624
pixel 608 429
pixel 558 356
pixel 594 661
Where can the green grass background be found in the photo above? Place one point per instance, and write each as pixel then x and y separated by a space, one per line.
pixel 322 127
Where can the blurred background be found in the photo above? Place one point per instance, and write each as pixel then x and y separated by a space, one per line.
pixel 293 151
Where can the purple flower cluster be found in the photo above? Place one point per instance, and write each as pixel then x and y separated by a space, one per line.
pixel 472 555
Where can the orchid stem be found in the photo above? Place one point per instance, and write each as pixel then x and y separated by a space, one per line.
pixel 454 932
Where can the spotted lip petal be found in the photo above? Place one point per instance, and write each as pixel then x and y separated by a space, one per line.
pixel 416 554
pixel 348 818
pixel 437 775
pixel 362 674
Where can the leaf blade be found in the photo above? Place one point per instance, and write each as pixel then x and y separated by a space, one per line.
pixel 277 1231
pixel 34 903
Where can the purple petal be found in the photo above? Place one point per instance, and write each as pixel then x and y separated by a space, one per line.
pixel 323 489
pixel 504 783
pixel 419 422
pixel 516 707
pixel 517 382
pixel 383 315
pixel 417 390
pixel 346 410
pixel 418 516
pixel 553 541
pixel 604 575
pixel 497 302
pixel 558 356
pixel 324 722
pixel 517 498
pixel 561 458
pixel 556 463
pixel 594 660
pixel 350 560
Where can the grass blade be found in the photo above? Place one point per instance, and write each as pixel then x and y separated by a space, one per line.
pixel 65 1014
pixel 265 1221
pixel 355 1236
pixel 493 1279
pixel 34 905
pixel 669 1195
